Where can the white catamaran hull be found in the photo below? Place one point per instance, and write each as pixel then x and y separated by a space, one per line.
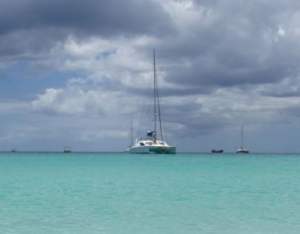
pixel 242 151
pixel 153 150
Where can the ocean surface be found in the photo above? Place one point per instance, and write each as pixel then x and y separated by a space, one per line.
pixel 43 193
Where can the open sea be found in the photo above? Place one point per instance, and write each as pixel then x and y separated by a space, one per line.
pixel 78 193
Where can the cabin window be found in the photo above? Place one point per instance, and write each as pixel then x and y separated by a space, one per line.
pixel 142 144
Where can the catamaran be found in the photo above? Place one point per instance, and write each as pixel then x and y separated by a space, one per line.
pixel 153 142
pixel 242 149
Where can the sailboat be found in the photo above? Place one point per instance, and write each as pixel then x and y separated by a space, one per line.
pixel 242 149
pixel 153 142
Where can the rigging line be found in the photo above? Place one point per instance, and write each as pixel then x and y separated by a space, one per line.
pixel 154 96
pixel 156 100
pixel 159 112
pixel 242 136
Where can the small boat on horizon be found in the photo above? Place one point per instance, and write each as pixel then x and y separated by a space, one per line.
pixel 217 151
pixel 153 142
pixel 67 149
pixel 242 149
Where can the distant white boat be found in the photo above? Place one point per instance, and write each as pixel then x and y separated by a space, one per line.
pixel 242 149
pixel 153 143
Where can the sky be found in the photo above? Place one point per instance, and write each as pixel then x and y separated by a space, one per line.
pixel 77 73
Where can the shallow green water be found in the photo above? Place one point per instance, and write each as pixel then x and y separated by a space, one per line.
pixel 120 193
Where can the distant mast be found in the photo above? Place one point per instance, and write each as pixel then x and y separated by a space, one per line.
pixel 242 148
pixel 242 136
pixel 131 133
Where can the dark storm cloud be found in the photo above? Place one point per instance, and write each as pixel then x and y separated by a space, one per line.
pixel 29 44
pixel 223 75
pixel 104 17
pixel 26 24
pixel 235 43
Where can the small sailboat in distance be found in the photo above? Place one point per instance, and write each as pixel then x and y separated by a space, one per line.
pixel 153 142
pixel 242 149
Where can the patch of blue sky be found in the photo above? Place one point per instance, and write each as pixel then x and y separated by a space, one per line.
pixel 23 81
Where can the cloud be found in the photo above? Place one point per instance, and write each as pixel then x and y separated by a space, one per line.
pixel 41 24
pixel 286 88
pixel 220 63
pixel 75 100
pixel 105 18
pixel 225 43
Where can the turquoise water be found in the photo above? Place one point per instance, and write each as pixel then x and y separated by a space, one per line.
pixel 127 194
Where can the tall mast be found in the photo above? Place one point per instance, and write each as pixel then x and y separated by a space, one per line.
pixel 131 133
pixel 242 136
pixel 154 96
pixel 157 112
